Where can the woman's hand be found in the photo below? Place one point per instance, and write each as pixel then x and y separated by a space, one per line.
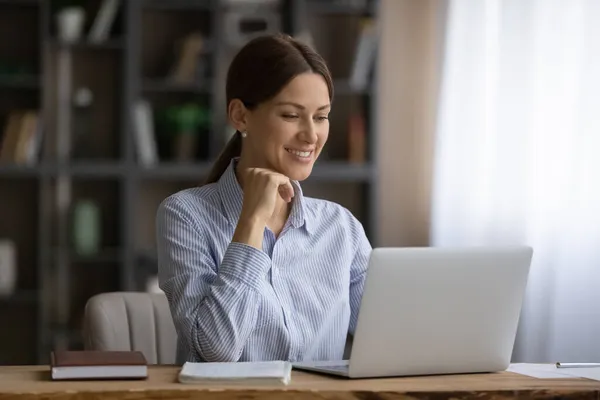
pixel 262 189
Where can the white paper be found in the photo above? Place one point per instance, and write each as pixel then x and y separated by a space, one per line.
pixel 540 371
pixel 277 371
pixel 589 373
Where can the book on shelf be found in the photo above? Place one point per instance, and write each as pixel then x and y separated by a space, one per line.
pixel 145 140
pixel 246 373
pixel 21 139
pixel 357 146
pixel 91 365
pixel 100 30
pixel 366 52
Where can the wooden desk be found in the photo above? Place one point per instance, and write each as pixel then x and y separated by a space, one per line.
pixel 26 383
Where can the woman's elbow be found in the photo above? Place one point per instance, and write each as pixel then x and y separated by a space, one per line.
pixel 216 347
pixel 217 352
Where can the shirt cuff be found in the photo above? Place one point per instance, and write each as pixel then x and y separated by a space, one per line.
pixel 245 263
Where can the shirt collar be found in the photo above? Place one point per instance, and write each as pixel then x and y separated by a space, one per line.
pixel 232 197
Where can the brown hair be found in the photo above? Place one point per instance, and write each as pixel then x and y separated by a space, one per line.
pixel 257 73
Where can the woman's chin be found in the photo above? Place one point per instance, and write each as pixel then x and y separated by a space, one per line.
pixel 296 173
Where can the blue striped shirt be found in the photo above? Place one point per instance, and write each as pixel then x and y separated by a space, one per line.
pixel 295 300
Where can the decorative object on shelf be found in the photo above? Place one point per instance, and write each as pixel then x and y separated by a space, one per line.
pixel 70 22
pixel 82 123
pixel 243 24
pixel 183 125
pixel 86 228
pixel 191 66
pixel 8 267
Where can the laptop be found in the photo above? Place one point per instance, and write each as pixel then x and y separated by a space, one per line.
pixel 432 311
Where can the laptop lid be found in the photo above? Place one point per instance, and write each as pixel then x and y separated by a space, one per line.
pixel 439 310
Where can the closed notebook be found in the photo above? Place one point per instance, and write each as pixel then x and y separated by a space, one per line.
pixel 69 364
pixel 245 373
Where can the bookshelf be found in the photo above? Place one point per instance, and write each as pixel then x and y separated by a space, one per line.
pixel 89 154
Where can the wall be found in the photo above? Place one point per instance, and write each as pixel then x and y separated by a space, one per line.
pixel 408 69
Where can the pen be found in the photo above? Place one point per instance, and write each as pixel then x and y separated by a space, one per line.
pixel 577 365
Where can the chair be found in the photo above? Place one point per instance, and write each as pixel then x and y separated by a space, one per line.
pixel 131 321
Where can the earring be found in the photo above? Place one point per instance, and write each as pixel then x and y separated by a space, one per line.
pixel 244 134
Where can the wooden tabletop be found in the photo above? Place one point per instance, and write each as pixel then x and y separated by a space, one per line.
pixel 23 382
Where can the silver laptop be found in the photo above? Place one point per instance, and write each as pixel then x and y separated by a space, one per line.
pixel 428 311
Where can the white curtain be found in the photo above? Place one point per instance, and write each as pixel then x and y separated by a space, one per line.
pixel 517 158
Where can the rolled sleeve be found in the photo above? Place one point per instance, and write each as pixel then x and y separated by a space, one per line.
pixel 245 264
pixel 214 306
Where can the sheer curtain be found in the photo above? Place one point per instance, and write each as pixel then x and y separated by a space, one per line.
pixel 517 157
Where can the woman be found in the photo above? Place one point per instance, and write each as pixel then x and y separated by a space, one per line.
pixel 252 269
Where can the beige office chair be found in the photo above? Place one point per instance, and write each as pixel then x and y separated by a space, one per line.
pixel 131 321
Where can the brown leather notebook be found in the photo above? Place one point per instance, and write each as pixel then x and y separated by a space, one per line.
pixel 70 364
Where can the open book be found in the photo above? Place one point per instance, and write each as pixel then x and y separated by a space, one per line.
pixel 246 373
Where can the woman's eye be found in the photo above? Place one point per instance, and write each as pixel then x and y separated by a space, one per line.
pixel 289 116
pixel 322 118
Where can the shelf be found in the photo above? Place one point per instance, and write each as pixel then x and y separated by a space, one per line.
pixel 19 171
pixel 92 169
pixel 328 8
pixel 110 44
pixel 323 171
pixel 20 81
pixel 166 86
pixel 176 171
pixel 178 5
pixel 85 169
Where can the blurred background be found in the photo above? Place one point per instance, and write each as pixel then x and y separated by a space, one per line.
pixel 454 122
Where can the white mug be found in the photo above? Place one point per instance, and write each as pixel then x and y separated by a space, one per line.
pixel 70 23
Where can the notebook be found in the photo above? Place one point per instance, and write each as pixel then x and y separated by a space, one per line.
pixel 246 373
pixel 70 364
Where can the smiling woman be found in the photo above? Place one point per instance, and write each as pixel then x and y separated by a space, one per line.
pixel 279 94
pixel 252 269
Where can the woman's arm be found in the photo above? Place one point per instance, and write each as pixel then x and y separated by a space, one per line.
pixel 358 271
pixel 214 306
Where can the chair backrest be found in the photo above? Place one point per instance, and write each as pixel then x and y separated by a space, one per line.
pixel 131 321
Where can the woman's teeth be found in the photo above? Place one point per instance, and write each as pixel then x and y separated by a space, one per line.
pixel 303 154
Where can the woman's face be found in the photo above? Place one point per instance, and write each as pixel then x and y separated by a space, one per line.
pixel 287 133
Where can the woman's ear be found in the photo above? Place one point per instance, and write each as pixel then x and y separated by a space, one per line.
pixel 237 114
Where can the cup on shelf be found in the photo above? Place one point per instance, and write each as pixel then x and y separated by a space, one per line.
pixel 70 22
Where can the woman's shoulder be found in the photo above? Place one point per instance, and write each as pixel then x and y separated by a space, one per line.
pixel 193 202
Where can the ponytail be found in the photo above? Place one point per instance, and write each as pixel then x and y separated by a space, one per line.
pixel 232 149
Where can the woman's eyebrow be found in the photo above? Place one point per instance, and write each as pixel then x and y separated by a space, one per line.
pixel 300 106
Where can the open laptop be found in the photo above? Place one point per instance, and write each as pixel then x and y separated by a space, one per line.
pixel 429 311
